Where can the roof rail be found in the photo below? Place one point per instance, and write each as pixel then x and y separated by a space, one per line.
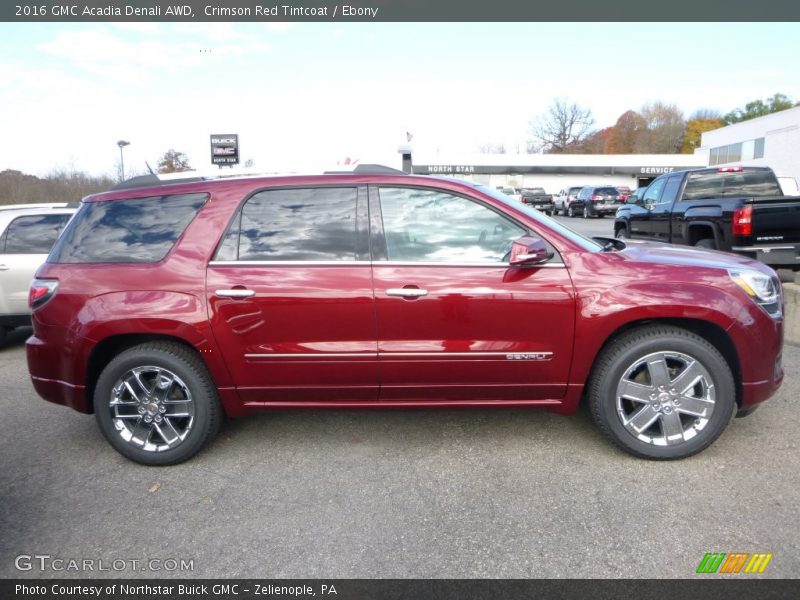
pixel 368 169
pixel 36 205
pixel 191 176
pixel 151 180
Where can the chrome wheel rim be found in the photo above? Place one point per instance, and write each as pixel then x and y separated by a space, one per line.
pixel 152 408
pixel 665 398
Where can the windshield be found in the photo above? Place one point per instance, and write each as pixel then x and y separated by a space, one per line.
pixel 584 242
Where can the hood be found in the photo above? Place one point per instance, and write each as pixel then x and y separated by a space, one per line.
pixel 669 254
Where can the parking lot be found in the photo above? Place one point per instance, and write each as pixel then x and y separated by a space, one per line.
pixel 461 494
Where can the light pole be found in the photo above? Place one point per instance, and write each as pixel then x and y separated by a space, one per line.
pixel 122 144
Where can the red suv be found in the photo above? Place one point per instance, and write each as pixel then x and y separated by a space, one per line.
pixel 164 307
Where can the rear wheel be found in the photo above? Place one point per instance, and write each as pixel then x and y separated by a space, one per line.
pixel 156 404
pixel 586 213
pixel 570 211
pixel 662 393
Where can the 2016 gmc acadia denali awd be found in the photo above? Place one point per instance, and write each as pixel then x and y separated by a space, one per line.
pixel 165 306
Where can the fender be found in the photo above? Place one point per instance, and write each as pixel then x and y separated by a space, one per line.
pixel 183 315
pixel 688 226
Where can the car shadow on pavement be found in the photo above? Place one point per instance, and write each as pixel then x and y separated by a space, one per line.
pixel 16 337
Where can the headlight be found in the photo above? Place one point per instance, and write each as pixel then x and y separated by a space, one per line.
pixel 762 289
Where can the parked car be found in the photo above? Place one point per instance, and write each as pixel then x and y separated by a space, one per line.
pixel 735 209
pixel 537 198
pixel 511 192
pixel 623 191
pixel 595 201
pixel 164 306
pixel 27 232
pixel 564 198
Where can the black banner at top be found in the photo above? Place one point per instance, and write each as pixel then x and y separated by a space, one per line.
pixel 400 10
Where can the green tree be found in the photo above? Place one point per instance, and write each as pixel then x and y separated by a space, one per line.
pixel 173 162
pixel 759 108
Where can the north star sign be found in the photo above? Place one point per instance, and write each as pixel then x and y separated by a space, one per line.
pixel 451 169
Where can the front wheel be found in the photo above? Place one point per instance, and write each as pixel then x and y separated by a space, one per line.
pixel 570 211
pixel 156 404
pixel 662 393
pixel 586 213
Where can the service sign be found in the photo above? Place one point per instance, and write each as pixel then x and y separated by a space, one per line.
pixel 225 149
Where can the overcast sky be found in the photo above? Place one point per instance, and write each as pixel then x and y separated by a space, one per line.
pixel 305 95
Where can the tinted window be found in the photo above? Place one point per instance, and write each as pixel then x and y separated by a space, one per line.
pixel 119 231
pixel 310 224
pixel 607 191
pixel 671 190
pixel 653 191
pixel 431 226
pixel 33 234
pixel 714 184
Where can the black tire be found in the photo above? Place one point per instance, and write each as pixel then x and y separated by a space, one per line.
pixel 707 243
pixel 622 233
pixel 586 213
pixel 570 211
pixel 620 359
pixel 3 334
pixel 190 379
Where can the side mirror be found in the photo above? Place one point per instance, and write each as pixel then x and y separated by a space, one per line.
pixel 528 251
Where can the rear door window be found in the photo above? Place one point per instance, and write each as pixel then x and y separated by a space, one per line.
pixel 298 224
pixel 33 234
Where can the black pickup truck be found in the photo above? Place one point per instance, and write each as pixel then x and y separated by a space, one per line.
pixel 538 198
pixel 735 209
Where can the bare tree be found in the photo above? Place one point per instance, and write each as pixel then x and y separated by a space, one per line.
pixel 58 186
pixel 665 129
pixel 490 148
pixel 563 127
pixel 173 162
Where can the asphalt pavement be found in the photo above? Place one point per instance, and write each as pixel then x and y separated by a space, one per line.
pixel 462 494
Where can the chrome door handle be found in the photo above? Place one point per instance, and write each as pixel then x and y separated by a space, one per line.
pixel 406 292
pixel 4 267
pixel 239 293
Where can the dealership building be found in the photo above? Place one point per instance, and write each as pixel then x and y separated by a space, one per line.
pixel 553 172
pixel 771 141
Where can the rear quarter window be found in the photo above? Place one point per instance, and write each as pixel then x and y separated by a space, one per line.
pixel 139 230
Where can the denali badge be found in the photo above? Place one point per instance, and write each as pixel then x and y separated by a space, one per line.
pixel 769 238
pixel 529 356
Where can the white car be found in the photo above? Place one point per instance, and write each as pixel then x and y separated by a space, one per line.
pixel 27 232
